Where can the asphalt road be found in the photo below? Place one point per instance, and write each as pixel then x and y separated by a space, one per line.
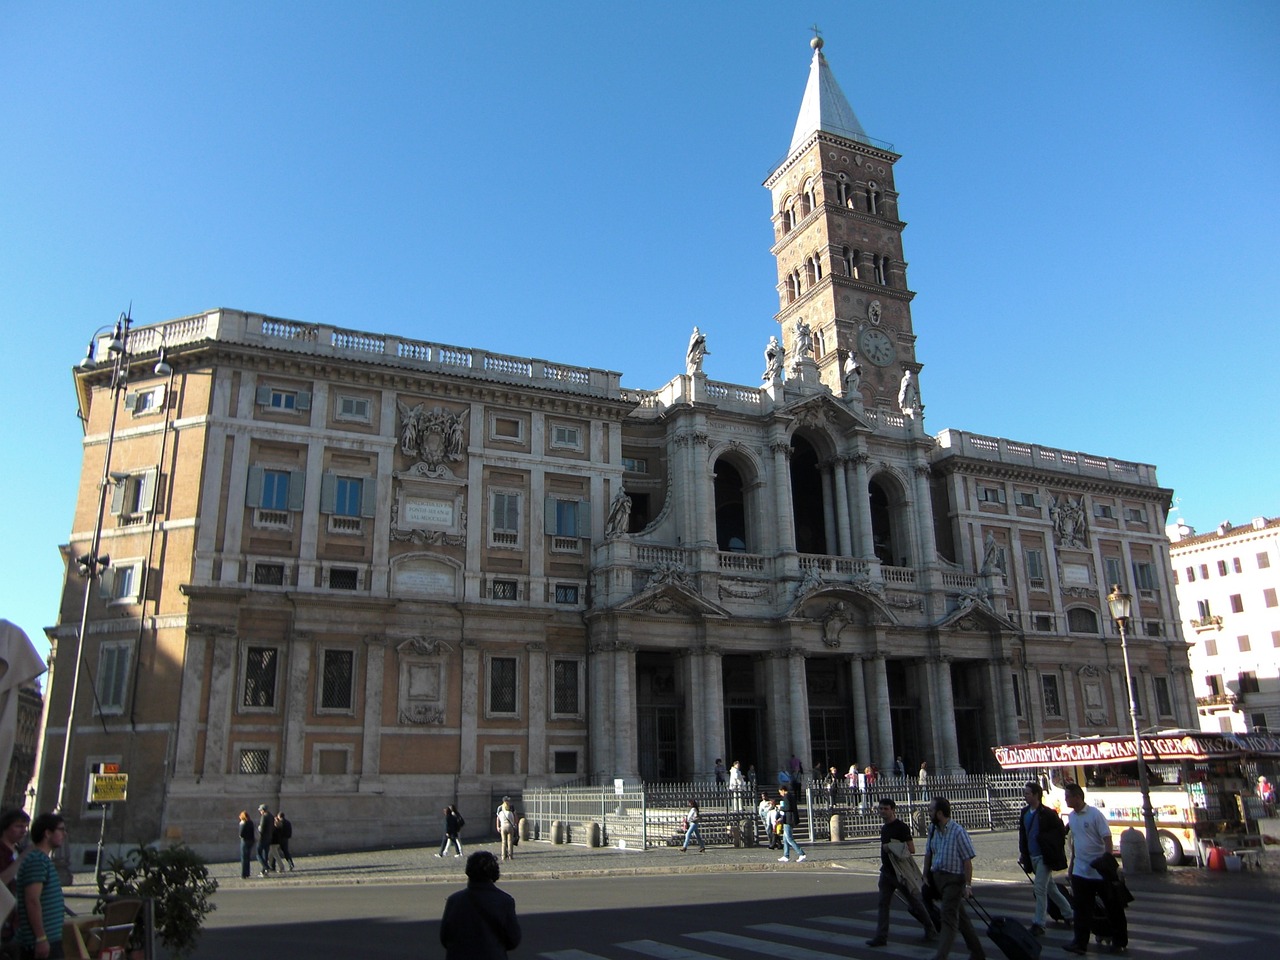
pixel 822 914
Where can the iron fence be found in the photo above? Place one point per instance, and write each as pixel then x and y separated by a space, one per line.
pixel 651 814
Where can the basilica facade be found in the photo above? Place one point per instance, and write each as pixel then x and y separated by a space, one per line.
pixel 358 575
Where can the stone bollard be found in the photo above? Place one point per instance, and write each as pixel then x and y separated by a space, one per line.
pixel 593 835
pixel 748 828
pixel 522 828
pixel 557 831
pixel 1134 853
pixel 835 827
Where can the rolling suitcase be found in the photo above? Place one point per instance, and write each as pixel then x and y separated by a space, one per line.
pixel 1014 940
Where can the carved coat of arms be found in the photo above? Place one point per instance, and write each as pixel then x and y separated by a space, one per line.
pixel 433 437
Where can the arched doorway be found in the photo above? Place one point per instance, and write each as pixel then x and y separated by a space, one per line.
pixel 731 508
pixel 890 530
pixel 807 498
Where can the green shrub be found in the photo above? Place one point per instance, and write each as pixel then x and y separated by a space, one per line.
pixel 177 879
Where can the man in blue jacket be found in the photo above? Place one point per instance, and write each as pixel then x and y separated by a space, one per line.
pixel 1042 849
pixel 479 923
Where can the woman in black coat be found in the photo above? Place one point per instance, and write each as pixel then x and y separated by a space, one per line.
pixel 246 843
pixel 453 824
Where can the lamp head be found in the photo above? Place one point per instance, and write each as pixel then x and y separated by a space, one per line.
pixel 162 368
pixel 1121 604
pixel 88 363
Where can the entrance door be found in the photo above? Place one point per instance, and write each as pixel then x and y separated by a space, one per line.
pixel 829 738
pixel 659 743
pixel 742 724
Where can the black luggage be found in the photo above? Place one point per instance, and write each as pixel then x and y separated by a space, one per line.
pixel 1014 940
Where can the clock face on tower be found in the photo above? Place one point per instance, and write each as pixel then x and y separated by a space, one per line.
pixel 876 346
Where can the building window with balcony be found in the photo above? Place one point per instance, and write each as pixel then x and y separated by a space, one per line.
pixel 1214 682
pixel 133 498
pixel 1144 575
pixel 347 501
pixel 504 519
pixel 1248 681
pixel 274 494
pixel 567 522
pixel 1035 569
pixel 1114 568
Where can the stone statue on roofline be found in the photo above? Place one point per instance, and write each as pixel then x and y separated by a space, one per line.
pixel 619 516
pixel 696 351
pixel 774 354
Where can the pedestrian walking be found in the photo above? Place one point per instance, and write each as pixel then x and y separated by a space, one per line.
pixel 1042 839
pixel 1094 874
pixel 898 874
pixel 40 907
pixel 790 818
pixel 479 923
pixel 507 827
pixel 720 772
pixel 281 834
pixel 737 785
pixel 898 769
pixel 247 835
pixel 923 776
pixel 691 829
pixel 948 866
pixel 453 824
pixel 266 827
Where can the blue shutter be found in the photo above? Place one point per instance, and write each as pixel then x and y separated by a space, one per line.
pixel 303 401
pixel 368 497
pixel 584 519
pixel 328 493
pixel 263 396
pixel 297 487
pixel 549 516
pixel 253 492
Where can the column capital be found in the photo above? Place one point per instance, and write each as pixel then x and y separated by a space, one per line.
pixel 781 447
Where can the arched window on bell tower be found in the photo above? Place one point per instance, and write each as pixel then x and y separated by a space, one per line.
pixel 844 196
pixel 819 344
pixel 809 203
pixel 873 197
pixel 881 264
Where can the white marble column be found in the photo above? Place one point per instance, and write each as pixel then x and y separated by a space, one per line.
pixel 703 479
pixel 861 498
pixel 1002 690
pixel 861 732
pixel 799 690
pixel 784 518
pixel 375 659
pixel 712 691
pixel 944 717
pixel 883 712
pixel 624 700
pixel 827 477
pixel 840 493
pixel 537 762
pixel 600 696
pixel 472 678
pixel 222 683
pixel 927 552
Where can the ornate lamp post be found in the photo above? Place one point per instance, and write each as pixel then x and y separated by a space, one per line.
pixel 91 564
pixel 1121 605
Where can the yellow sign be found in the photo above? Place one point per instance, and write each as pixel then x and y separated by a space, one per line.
pixel 108 787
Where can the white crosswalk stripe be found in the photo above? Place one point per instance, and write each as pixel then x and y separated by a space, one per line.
pixel 1184 924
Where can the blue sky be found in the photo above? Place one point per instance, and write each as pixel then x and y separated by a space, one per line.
pixel 1092 192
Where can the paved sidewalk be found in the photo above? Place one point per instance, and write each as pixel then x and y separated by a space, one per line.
pixel 536 860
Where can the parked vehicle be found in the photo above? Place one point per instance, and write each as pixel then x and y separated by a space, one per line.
pixel 1201 783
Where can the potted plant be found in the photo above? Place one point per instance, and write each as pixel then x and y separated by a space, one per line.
pixel 177 879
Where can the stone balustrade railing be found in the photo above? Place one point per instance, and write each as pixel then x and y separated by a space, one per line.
pixel 977 446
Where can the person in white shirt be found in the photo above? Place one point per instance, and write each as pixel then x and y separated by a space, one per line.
pixel 1090 842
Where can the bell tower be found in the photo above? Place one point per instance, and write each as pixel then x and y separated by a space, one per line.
pixel 838 244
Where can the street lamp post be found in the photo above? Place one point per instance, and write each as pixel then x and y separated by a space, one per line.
pixel 1121 605
pixel 91 564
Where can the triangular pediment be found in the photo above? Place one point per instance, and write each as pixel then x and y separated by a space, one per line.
pixel 975 615
pixel 673 599
pixel 835 601
pixel 824 410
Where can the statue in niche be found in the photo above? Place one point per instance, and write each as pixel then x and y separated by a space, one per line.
pixel 852 376
pixel 619 516
pixel 1067 516
pixel 696 351
pixel 774 354
pixel 804 340
pixel 990 555
pixel 434 437
pixel 909 395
